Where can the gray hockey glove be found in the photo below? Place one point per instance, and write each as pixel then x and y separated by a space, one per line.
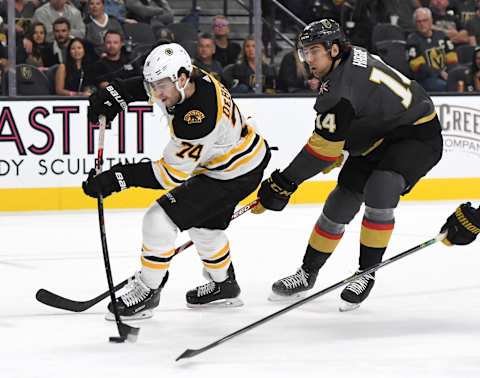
pixel 462 226
pixel 118 178
pixel 274 193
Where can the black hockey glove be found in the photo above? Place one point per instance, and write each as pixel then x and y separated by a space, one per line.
pixel 274 193
pixel 120 177
pixel 108 101
pixel 462 226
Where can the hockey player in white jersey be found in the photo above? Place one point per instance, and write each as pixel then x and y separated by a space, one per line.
pixel 214 159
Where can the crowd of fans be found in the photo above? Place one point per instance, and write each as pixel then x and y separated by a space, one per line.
pixel 81 45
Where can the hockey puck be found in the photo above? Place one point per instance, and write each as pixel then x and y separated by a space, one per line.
pixel 116 339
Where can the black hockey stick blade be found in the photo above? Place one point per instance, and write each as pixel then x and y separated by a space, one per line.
pixel 193 352
pixel 127 333
pixel 54 300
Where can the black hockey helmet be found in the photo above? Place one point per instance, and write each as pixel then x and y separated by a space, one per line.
pixel 326 32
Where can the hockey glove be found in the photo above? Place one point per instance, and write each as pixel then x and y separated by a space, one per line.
pixel 120 177
pixel 274 193
pixel 462 226
pixel 108 101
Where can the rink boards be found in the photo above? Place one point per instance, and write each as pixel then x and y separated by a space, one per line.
pixel 47 149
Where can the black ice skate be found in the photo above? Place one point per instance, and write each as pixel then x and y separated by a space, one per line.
pixel 216 294
pixel 139 300
pixel 293 287
pixel 356 292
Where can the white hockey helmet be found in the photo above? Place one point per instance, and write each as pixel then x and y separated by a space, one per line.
pixel 167 61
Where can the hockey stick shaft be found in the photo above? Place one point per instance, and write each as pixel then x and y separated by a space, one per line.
pixel 124 331
pixel 194 352
pixel 54 300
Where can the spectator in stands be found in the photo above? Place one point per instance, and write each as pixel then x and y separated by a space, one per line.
pixel 98 23
pixel 74 78
pixel 23 15
pixel 154 12
pixel 38 52
pixel 115 64
pixel 55 9
pixel 117 9
pixel 469 80
pixel 294 76
pixel 430 53
pixel 243 73
pixel 61 34
pixel 226 51
pixel 464 9
pixel 204 58
pixel 473 26
pixel 447 22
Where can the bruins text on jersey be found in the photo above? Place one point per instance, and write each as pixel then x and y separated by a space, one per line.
pixel 388 125
pixel 214 159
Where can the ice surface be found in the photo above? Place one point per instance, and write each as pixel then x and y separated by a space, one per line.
pixel 421 320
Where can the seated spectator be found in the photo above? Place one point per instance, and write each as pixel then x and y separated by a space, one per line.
pixel 117 9
pixel 294 76
pixel 114 64
pixel 226 51
pixel 74 77
pixel 23 15
pixel 38 52
pixel 447 22
pixel 61 34
pixel 400 13
pixel 470 80
pixel 243 73
pixel 153 12
pixel 204 58
pixel 98 23
pixel 430 53
pixel 55 9
pixel 473 26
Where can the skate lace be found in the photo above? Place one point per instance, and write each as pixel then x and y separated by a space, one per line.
pixel 295 280
pixel 206 289
pixel 360 284
pixel 137 291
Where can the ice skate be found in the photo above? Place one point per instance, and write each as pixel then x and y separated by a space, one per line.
pixel 293 287
pixel 216 294
pixel 356 292
pixel 138 301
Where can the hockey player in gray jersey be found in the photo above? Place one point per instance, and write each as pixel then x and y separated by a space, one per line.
pixel 214 159
pixel 388 125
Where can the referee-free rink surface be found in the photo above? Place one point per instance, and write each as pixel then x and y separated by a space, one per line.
pixel 422 318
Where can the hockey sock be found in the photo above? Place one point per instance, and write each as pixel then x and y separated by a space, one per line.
pixel 159 234
pixel 324 238
pixel 214 250
pixel 377 228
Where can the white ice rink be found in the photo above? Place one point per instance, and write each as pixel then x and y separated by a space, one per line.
pixel 421 320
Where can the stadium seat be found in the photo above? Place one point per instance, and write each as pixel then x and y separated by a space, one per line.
pixel 31 81
pixel 139 33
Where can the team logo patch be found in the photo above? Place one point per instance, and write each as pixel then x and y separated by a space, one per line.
pixel 26 72
pixel 323 87
pixel 194 116
pixel 169 52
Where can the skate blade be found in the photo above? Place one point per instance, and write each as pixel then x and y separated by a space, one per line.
pixel 221 303
pixel 147 314
pixel 347 306
pixel 273 297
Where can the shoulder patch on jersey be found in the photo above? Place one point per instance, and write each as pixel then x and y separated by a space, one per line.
pixel 323 87
pixel 193 117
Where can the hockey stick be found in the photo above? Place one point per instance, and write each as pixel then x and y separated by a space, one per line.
pixel 54 300
pixel 194 352
pixel 125 331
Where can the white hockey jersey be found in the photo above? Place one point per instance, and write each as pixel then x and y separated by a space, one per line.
pixel 209 136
